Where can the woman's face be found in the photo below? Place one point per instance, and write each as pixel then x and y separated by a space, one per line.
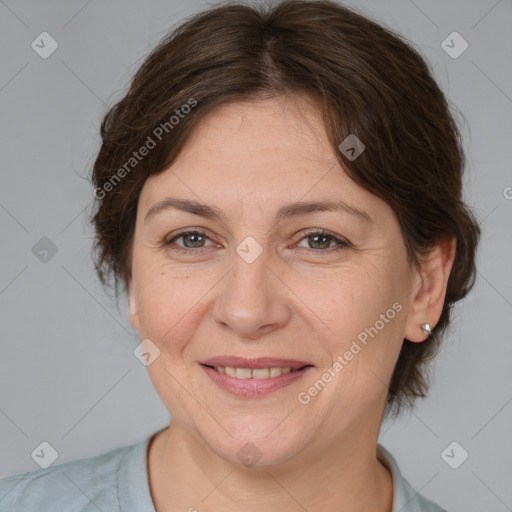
pixel 261 281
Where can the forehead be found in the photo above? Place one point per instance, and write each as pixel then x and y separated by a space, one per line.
pixel 257 154
pixel 261 124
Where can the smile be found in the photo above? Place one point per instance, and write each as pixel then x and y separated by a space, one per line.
pixel 253 377
pixel 256 373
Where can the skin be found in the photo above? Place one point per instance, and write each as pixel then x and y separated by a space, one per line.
pixel 303 298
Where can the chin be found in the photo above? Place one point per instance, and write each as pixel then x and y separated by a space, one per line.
pixel 256 442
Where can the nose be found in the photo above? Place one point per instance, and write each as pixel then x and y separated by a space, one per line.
pixel 253 300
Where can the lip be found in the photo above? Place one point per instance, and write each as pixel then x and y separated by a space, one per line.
pixel 254 388
pixel 258 362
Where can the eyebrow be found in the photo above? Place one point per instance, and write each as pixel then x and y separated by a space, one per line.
pixel 285 212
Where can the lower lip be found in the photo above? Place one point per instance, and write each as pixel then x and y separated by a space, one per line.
pixel 253 388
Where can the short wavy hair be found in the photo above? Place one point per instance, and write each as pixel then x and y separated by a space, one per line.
pixel 365 79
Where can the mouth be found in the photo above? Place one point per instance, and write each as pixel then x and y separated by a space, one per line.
pixel 254 377
pixel 270 372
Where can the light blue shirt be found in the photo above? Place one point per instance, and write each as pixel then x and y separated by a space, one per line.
pixel 117 481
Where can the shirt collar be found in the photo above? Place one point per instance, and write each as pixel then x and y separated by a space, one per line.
pixel 133 480
pixel 405 498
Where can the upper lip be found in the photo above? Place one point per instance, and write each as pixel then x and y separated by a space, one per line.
pixel 257 362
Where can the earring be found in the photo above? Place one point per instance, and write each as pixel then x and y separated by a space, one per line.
pixel 426 329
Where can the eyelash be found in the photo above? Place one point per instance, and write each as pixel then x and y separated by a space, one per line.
pixel 341 243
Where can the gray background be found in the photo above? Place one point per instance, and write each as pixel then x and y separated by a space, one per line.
pixel 67 372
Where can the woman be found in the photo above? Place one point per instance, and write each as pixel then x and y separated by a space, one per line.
pixel 279 195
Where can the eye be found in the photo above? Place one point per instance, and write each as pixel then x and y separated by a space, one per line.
pixel 192 241
pixel 323 239
pixel 195 239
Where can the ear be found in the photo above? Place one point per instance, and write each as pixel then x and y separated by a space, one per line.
pixel 132 305
pixel 429 289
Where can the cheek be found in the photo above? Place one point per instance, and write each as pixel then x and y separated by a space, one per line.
pixel 169 304
pixel 170 308
pixel 363 342
pixel 362 317
pixel 353 299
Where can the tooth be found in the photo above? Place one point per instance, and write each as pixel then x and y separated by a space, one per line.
pixel 275 372
pixel 256 373
pixel 261 373
pixel 243 373
pixel 230 372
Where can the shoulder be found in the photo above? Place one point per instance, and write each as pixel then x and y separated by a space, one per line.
pixel 405 497
pixel 80 485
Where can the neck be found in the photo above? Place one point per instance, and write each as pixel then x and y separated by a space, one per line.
pixel 185 474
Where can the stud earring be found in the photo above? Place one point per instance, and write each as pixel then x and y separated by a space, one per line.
pixel 426 329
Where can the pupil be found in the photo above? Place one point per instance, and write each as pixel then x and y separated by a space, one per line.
pixel 320 237
pixel 194 236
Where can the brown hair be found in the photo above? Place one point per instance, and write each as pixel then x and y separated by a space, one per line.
pixel 366 80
